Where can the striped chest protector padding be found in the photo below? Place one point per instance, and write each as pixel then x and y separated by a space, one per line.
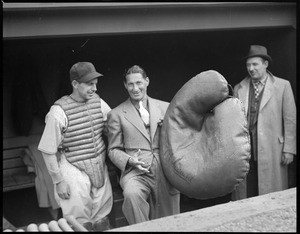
pixel 204 144
pixel 82 141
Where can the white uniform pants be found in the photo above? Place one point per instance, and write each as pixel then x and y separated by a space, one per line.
pixel 86 203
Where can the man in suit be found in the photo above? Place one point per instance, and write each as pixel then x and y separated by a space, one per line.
pixel 133 136
pixel 271 115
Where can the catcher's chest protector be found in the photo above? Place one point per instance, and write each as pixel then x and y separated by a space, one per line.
pixel 205 144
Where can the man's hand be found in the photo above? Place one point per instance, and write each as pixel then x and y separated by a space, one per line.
pixel 63 190
pixel 134 162
pixel 287 158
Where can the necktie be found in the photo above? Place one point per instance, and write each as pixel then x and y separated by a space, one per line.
pixel 144 113
pixel 256 90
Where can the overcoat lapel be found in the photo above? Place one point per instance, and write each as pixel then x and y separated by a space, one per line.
pixel 131 114
pixel 268 90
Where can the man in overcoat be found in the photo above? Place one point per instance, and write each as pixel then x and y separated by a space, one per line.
pixel 271 113
pixel 133 136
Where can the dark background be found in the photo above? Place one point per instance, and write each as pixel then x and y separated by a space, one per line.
pixel 170 59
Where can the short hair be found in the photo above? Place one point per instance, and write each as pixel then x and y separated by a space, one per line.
pixel 135 69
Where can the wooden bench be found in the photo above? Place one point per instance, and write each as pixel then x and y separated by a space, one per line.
pixel 15 173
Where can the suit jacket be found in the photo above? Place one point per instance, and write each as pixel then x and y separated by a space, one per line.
pixel 127 134
pixel 276 131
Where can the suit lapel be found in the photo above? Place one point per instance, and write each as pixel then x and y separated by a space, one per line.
pixel 133 117
pixel 155 115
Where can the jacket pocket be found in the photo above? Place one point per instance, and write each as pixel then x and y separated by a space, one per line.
pixel 281 139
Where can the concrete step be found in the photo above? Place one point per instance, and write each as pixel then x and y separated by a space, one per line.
pixel 274 212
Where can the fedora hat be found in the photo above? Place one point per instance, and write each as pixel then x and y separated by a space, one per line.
pixel 258 51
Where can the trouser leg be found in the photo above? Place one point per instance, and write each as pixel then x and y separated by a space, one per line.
pixel 252 179
pixel 135 206
pixel 80 203
pixel 102 199
pixel 165 199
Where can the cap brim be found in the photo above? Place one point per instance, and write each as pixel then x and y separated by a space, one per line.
pixel 90 77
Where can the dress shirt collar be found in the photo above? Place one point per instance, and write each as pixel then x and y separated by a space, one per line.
pixel 261 81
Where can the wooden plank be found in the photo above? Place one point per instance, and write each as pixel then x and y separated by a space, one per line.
pixel 15 174
pixel 16 182
pixel 15 142
pixel 13 171
pixel 13 163
pixel 23 178
pixel 13 153
pixel 17 187
pixel 8 181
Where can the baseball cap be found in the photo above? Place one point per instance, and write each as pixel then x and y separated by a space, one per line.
pixel 83 72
